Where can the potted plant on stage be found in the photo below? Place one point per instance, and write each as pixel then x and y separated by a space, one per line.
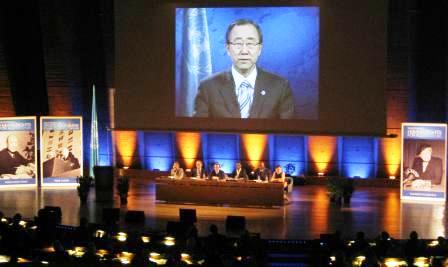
pixel 84 184
pixel 340 190
pixel 122 189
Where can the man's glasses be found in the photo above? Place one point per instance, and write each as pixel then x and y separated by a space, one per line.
pixel 240 45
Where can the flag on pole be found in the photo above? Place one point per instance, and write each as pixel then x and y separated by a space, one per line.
pixel 93 136
pixel 196 56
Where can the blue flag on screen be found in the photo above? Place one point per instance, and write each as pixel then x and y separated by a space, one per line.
pixel 93 136
pixel 196 57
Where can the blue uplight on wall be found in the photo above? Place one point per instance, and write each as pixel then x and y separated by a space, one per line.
pixel 288 152
pixel 158 151
pixel 222 148
pixel 358 156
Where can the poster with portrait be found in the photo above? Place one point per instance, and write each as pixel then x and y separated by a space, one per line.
pixel 61 150
pixel 18 152
pixel 423 164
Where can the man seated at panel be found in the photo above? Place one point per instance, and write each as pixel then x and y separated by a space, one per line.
pixel 176 171
pixel 199 170
pixel 217 173
pixel 239 172
pixel 262 172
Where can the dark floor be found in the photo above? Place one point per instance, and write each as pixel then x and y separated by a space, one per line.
pixel 308 214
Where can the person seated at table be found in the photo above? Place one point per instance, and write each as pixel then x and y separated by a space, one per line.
pixel 176 171
pixel 239 172
pixel 279 177
pixel 217 173
pixel 262 173
pixel 199 170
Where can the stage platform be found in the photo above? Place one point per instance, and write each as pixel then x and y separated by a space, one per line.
pixel 308 214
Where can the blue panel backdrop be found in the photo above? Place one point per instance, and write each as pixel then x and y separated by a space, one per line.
pixel 159 150
pixel 289 153
pixel 222 148
pixel 290 49
pixel 358 157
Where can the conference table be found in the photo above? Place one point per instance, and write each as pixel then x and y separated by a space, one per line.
pixel 229 191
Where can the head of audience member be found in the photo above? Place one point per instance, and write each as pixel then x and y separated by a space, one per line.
pixel 12 143
pixel 16 218
pixel 384 236
pixel 360 236
pixel 176 165
pixel 216 167
pixel 413 235
pixel 199 164
pixel 278 169
pixel 262 166
pixel 243 44
pixel 213 229
pixel 424 151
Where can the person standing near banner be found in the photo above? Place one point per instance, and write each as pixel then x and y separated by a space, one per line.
pixel 11 161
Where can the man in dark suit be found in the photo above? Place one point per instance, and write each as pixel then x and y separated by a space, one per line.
pixel 217 173
pixel 239 172
pixel 262 173
pixel 245 91
pixel 428 167
pixel 10 158
pixel 199 170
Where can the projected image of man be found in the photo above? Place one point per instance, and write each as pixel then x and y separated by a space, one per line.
pixel 244 91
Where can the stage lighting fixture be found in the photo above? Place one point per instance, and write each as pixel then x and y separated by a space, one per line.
pixel 395 262
pixel 121 237
pixel 320 174
pixel 421 262
pixel 146 239
pixel 357 261
pixel 169 241
pixel 125 257
pixel 433 243
pixel 392 177
pixel 100 233
pixel 4 258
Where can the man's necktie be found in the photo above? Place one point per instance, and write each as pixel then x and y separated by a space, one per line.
pixel 245 93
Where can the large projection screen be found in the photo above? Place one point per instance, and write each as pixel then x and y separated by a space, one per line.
pixel 320 66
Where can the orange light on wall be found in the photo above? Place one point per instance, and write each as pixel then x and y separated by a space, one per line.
pixel 322 149
pixel 254 146
pixel 391 153
pixel 126 142
pixel 188 144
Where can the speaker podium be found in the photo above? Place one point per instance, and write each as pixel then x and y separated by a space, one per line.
pixel 104 183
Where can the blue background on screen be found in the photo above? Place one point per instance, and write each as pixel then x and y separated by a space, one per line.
pixel 290 49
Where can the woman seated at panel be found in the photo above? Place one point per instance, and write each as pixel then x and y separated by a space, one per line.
pixel 278 176
pixel 176 171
